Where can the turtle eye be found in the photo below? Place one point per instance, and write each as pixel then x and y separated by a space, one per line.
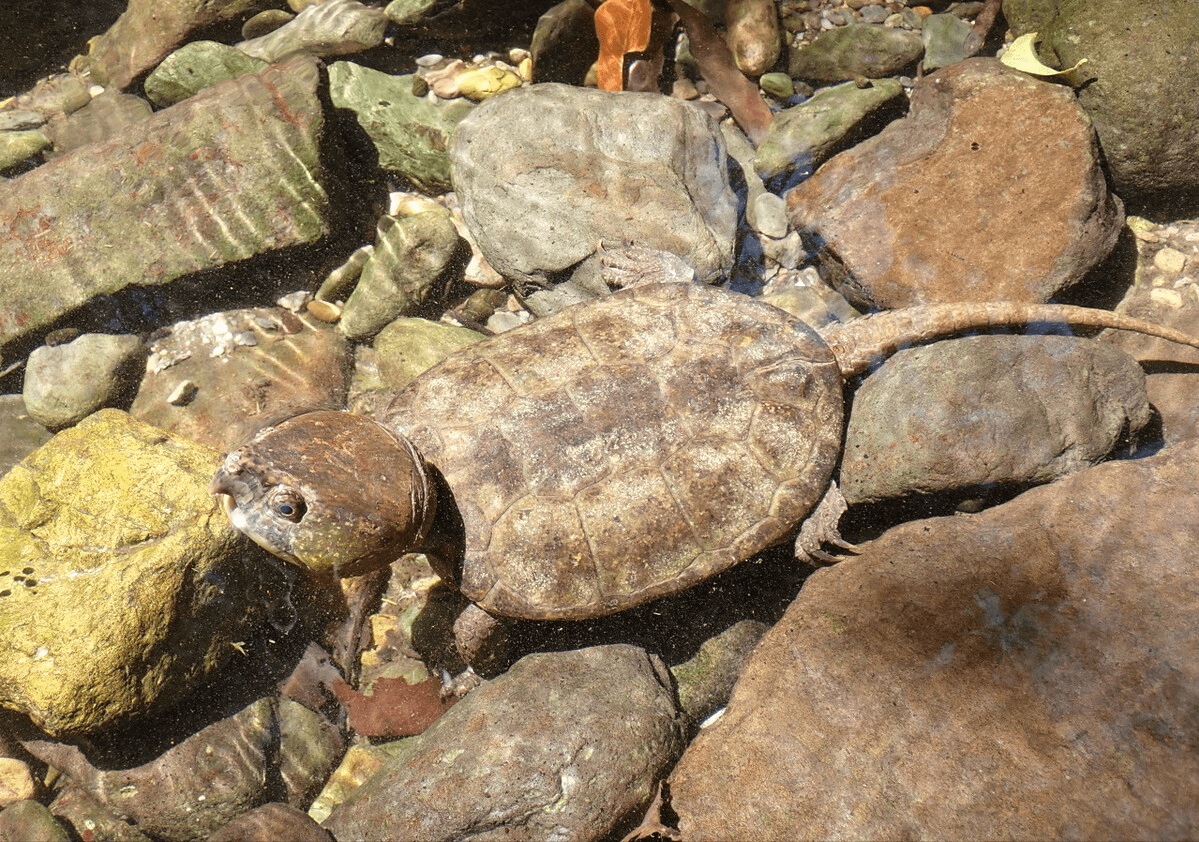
pixel 288 505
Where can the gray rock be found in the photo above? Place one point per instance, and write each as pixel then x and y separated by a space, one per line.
pixel 20 435
pixel 1026 673
pixel 194 67
pixel 563 746
pixel 944 39
pixel 546 172
pixel 410 133
pixel 858 50
pixel 806 135
pixel 1139 89
pixel 246 369
pixel 404 272
pixel 66 383
pixel 985 410
pixel 331 28
pixel 114 561
pixel 924 211
pixel 180 195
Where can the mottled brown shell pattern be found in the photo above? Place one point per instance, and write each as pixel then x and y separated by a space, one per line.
pixel 624 449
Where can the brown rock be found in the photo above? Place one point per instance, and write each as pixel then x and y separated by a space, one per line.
pixel 190 790
pixel 564 745
pixel 247 369
pixel 1030 673
pixel 148 30
pixel 270 823
pixel 927 210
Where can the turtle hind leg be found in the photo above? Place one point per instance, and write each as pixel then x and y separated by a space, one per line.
pixel 821 527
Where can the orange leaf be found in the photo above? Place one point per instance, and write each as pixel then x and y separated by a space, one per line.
pixel 395 708
pixel 623 26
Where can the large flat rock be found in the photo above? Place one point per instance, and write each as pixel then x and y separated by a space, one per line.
pixel 228 174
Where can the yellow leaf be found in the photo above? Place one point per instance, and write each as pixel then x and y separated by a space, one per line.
pixel 1022 55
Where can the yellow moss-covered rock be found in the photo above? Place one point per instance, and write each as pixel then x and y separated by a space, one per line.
pixel 121 584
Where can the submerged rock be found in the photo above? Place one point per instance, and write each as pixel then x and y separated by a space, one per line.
pixel 1052 405
pixel 1030 672
pixel 547 172
pixel 926 210
pixel 114 561
pixel 564 745
pixel 181 195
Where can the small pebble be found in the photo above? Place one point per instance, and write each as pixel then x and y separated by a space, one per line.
pixel 430 60
pixel 183 394
pixel 1170 260
pixel 1171 298
pixel 325 311
pixel 294 301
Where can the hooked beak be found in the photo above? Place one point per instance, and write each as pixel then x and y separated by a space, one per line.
pixel 228 490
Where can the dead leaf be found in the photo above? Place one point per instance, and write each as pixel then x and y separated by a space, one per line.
pixel 726 82
pixel 394 708
pixel 623 26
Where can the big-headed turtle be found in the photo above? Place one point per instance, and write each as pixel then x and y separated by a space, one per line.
pixel 612 453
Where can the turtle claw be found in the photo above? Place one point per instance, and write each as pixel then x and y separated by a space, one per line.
pixel 456 686
pixel 820 527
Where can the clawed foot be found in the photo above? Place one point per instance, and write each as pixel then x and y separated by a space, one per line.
pixel 457 686
pixel 821 527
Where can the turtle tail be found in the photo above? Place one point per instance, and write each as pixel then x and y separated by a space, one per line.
pixel 863 342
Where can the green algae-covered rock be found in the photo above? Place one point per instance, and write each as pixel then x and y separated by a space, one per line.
pixel 808 134
pixel 403 272
pixel 859 50
pixel 400 353
pixel 122 586
pixel 230 173
pixel 196 66
pixel 410 133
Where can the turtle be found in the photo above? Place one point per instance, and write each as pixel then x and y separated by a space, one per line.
pixel 612 453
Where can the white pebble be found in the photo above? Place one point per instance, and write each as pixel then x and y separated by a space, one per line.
pixel 1170 260
pixel 1171 298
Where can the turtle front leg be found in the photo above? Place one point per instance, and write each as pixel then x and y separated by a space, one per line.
pixel 821 527
pixel 481 640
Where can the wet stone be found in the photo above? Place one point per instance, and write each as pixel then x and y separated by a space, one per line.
pixel 76 222
pixel 1053 405
pixel 1028 672
pixel 114 558
pixel 565 745
pixel 66 383
pixel 194 67
pixel 541 182
pixel 984 150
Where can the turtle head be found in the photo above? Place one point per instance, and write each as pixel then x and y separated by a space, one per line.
pixel 329 491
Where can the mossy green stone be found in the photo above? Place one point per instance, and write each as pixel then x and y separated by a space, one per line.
pixel 194 67
pixel 410 133
pixel 122 586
